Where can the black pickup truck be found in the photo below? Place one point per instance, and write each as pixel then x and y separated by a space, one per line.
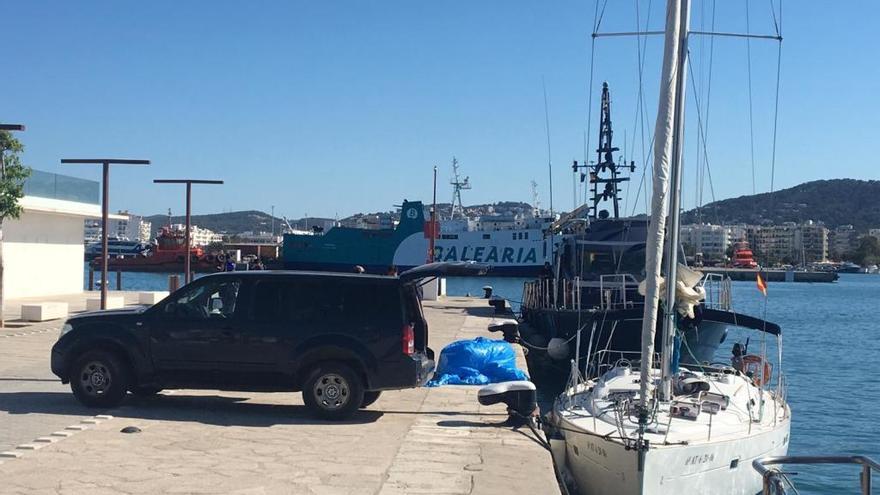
pixel 338 338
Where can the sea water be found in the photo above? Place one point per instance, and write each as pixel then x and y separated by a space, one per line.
pixel 831 348
pixel 831 344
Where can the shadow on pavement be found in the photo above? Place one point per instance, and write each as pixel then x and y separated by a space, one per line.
pixel 207 409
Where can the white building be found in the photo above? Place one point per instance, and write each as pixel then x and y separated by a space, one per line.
pixel 43 249
pixel 709 240
pixel 132 227
pixel 200 236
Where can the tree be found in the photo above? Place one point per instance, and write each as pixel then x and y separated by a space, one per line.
pixel 12 177
pixel 868 252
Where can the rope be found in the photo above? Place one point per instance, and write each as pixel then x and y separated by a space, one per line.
pixel 776 110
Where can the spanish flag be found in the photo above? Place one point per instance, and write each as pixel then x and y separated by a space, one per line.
pixel 762 285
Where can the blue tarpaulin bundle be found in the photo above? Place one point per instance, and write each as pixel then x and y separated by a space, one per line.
pixel 477 362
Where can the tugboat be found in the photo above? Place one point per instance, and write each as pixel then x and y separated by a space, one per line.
pixel 166 255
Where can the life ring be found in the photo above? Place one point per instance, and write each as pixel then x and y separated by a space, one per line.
pixel 752 364
pixel 221 257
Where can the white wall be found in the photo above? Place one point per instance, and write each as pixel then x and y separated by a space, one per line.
pixel 42 255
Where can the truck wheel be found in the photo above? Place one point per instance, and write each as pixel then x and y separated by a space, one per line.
pixel 370 397
pixel 99 379
pixel 333 391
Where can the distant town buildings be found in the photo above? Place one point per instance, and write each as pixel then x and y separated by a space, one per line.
pixel 123 225
pixel 133 227
pixel 200 236
pixel 842 241
pixel 789 243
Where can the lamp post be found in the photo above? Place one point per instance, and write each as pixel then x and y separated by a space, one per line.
pixel 105 208
pixel 187 276
pixel 4 127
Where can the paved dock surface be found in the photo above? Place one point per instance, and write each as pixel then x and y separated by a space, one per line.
pixel 437 440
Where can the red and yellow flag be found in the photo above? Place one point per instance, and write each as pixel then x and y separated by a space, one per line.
pixel 762 285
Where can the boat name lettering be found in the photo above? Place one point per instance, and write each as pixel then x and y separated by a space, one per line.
pixel 699 459
pixel 592 447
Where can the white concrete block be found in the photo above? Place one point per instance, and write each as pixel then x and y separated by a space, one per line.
pixel 113 302
pixel 151 297
pixel 44 311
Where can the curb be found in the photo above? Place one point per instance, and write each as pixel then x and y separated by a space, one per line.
pixel 54 437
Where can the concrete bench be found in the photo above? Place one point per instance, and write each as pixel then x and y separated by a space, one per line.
pixel 152 297
pixel 43 311
pixel 113 302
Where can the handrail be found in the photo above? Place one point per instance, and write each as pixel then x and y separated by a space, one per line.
pixel 773 477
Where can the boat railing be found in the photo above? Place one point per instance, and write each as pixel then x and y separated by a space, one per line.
pixel 777 482
pixel 718 291
pixel 607 359
pixel 615 290
pixel 547 293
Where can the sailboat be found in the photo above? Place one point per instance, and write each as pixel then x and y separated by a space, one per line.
pixel 645 425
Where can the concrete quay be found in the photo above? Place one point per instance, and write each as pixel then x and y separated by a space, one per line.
pixel 418 441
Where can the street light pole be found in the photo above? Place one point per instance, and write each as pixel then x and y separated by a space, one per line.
pixel 105 208
pixel 187 266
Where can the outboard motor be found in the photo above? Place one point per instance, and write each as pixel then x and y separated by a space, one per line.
pixel 508 327
pixel 519 396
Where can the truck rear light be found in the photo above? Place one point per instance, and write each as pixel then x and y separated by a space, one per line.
pixel 408 338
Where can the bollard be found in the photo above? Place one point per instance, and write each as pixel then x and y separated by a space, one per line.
pixel 91 285
pixel 118 279
pixel 487 291
pixel 173 282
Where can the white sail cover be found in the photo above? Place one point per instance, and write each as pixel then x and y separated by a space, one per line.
pixel 663 135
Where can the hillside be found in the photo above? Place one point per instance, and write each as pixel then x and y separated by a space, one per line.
pixel 232 222
pixel 834 202
pixel 256 221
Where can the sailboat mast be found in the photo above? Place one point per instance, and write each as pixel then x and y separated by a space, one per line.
pixel 675 207
pixel 663 139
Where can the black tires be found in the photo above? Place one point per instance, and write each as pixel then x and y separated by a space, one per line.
pixel 99 378
pixel 370 397
pixel 333 391
pixel 145 391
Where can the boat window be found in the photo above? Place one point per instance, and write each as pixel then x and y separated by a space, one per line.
pixel 593 264
pixel 487 236
pixel 527 235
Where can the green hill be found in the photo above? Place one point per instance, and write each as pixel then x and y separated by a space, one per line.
pixel 834 202
pixel 231 222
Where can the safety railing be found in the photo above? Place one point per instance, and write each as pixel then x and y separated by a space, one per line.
pixel 776 481
pixel 617 290
pixel 718 291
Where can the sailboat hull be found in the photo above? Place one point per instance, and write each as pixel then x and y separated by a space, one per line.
pixel 601 466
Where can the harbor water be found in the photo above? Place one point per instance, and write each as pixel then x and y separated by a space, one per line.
pixel 830 345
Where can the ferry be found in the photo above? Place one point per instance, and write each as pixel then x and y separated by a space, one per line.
pixel 512 246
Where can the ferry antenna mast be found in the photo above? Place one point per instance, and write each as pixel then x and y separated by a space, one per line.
pixel 457 186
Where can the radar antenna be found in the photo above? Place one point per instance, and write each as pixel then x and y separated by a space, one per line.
pixel 536 203
pixel 457 186
pixel 609 189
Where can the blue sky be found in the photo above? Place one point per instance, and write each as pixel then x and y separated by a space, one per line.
pixel 329 108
